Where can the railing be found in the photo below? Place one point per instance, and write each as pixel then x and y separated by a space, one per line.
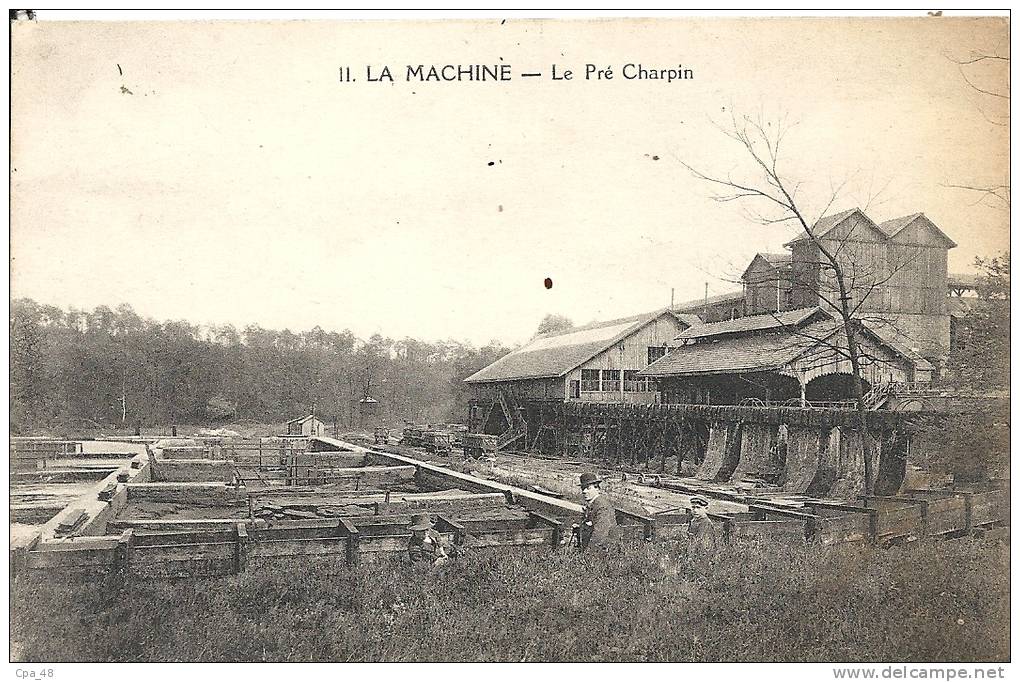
pixel 912 388
pixel 878 394
pixel 798 403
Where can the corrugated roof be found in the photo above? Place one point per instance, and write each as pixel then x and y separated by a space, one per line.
pixel 750 323
pixel 554 355
pixel 740 354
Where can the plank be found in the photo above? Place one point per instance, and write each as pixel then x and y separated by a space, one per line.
pixel 77 558
pixel 510 537
pixel 193 470
pixel 306 547
pixel 790 528
pixel 209 494
pixel 170 525
pixel 153 555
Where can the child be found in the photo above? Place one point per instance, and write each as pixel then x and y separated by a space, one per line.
pixel 426 544
pixel 702 533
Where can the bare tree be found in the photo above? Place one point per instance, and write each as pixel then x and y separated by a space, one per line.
pixel 987 73
pixel 762 142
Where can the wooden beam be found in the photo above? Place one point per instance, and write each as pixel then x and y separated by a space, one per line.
pixel 557 526
pixel 447 524
pixel 647 522
pixel 241 558
pixel 123 556
pixel 353 536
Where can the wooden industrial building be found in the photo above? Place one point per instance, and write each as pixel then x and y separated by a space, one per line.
pixel 794 357
pixel 778 340
pixel 306 426
pixel 597 362
pixel 897 270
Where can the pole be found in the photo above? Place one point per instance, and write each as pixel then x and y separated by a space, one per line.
pixel 777 290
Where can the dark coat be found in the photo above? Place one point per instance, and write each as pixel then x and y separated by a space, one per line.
pixel 599 528
pixel 703 535
pixel 428 547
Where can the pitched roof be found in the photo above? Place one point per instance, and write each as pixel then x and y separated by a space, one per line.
pixel 826 223
pixel 739 325
pixel 553 355
pixel 776 260
pixel 888 229
pixel 893 227
pixel 699 303
pixel 301 420
pixel 744 354
pixel 887 339
pixel 740 354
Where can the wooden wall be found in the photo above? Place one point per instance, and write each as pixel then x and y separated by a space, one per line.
pixel 524 389
pixel 766 290
pixel 629 354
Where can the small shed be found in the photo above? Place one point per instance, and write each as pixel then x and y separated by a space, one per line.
pixel 306 426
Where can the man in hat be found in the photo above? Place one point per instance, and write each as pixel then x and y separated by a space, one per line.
pixel 599 528
pixel 426 544
pixel 702 533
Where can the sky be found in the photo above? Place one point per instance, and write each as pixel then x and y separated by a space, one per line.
pixel 223 173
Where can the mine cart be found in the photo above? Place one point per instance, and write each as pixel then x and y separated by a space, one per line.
pixel 438 442
pixel 413 436
pixel 478 445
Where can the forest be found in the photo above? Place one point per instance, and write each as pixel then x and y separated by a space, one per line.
pixel 111 368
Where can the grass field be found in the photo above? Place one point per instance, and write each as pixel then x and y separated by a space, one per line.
pixel 756 601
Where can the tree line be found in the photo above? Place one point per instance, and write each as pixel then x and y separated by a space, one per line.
pixel 112 368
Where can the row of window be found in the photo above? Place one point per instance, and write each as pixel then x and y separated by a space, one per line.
pixel 608 381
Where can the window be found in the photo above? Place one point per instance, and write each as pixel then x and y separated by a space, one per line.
pixel 575 389
pixel 632 383
pixel 655 352
pixel 589 380
pixel 611 381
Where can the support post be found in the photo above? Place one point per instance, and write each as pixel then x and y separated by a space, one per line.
pixel 123 557
pixel 968 506
pixel 353 536
pixel 557 526
pixel 241 550
pixel 459 532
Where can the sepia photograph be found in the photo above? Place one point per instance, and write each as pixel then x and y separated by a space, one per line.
pixel 510 338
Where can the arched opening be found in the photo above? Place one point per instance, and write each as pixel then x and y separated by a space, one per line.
pixel 496 424
pixel 783 388
pixel 766 387
pixel 829 387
